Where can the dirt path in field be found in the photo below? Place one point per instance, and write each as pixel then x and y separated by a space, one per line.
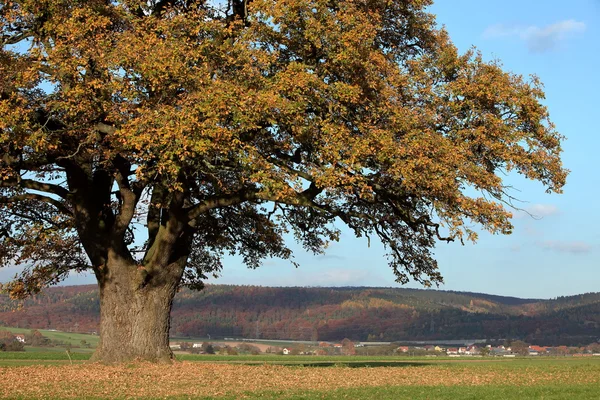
pixel 188 379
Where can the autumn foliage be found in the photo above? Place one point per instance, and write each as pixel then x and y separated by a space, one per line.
pixel 143 140
pixel 331 314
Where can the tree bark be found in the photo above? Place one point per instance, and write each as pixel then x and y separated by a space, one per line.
pixel 135 308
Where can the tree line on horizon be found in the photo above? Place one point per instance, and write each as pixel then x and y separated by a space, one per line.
pixel 329 314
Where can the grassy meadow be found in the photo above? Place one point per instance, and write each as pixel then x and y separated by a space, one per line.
pixel 49 375
pixel 68 338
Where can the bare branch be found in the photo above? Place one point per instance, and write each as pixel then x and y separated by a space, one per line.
pixel 38 197
pixel 155 209
pixel 129 196
pixel 221 201
pixel 15 39
pixel 35 185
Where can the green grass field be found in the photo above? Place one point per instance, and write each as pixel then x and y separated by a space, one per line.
pixel 57 353
pixel 59 349
pixel 74 339
pixel 307 359
pixel 7 357
pixel 275 343
pixel 549 392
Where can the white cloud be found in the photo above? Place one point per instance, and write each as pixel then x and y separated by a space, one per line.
pixel 538 39
pixel 538 211
pixel 308 274
pixel 331 257
pixel 7 274
pixel 339 277
pixel 574 247
pixel 542 210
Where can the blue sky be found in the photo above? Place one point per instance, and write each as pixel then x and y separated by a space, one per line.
pixel 556 253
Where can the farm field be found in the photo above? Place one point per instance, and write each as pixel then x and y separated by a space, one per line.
pixel 74 339
pixel 33 356
pixel 273 377
pixel 45 354
pixel 258 343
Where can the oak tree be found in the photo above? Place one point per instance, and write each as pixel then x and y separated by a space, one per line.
pixel 145 140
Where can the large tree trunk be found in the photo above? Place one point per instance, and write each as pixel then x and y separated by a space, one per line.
pixel 135 307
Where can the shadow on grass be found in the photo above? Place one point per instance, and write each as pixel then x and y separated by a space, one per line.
pixel 352 364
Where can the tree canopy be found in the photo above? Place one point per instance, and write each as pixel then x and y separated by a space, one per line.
pixel 219 127
pixel 144 140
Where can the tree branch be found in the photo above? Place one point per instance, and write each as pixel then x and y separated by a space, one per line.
pixel 169 231
pixel 161 5
pixel 129 196
pixel 8 40
pixel 35 185
pixel 155 209
pixel 38 197
pixel 221 201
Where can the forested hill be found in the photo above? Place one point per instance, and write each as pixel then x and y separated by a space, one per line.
pixel 379 314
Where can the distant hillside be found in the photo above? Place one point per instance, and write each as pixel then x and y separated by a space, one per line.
pixel 378 314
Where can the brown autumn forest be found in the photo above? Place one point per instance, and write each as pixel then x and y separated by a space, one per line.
pixel 377 314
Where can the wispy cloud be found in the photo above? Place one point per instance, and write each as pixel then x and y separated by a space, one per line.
pixel 515 248
pixel 331 257
pixel 340 277
pixel 574 247
pixel 538 211
pixel 538 39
